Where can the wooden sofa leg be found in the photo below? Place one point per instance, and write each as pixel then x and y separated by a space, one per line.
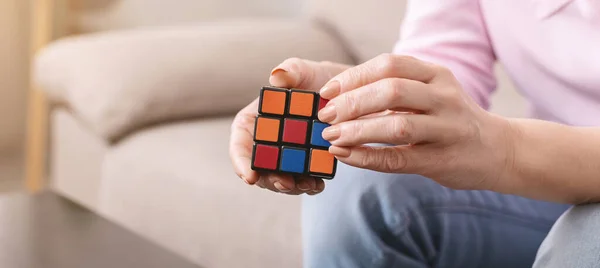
pixel 37 142
pixel 43 19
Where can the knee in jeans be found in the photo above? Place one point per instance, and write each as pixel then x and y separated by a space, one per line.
pixel 357 212
pixel 573 240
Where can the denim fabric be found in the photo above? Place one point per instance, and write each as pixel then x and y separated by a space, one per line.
pixel 371 219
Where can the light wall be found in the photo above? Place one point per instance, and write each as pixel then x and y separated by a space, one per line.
pixel 14 58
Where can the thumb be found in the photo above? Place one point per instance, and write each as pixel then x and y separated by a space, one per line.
pixel 304 74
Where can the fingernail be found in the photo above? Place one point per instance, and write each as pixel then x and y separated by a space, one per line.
pixel 303 186
pixel 339 151
pixel 330 90
pixel 284 78
pixel 278 70
pixel 280 187
pixel 328 113
pixel 331 133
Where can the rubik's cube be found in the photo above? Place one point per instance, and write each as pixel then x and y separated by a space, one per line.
pixel 288 135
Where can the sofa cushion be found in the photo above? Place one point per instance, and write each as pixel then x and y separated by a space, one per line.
pixel 120 81
pixel 175 185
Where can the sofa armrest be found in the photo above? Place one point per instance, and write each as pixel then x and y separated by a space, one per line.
pixel 117 82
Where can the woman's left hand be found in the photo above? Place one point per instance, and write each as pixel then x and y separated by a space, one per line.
pixel 434 128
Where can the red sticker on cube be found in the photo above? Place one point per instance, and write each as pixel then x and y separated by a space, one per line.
pixel 294 131
pixel 266 156
pixel 322 103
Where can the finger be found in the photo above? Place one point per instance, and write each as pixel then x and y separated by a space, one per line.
pixel 320 187
pixel 240 143
pixel 383 66
pixel 390 159
pixel 304 74
pixel 279 183
pixel 386 94
pixel 306 184
pixel 399 129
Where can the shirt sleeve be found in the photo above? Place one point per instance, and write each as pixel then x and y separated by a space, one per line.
pixel 451 33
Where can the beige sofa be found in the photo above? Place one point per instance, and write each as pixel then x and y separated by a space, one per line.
pixel 141 123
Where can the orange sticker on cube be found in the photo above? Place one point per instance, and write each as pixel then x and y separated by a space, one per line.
pixel 267 129
pixel 273 101
pixel 302 103
pixel 321 162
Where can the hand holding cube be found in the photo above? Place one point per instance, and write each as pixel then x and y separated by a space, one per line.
pixel 292 73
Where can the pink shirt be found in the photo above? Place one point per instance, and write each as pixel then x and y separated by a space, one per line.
pixel 550 49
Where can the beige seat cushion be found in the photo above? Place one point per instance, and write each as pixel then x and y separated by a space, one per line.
pixel 175 184
pixel 121 81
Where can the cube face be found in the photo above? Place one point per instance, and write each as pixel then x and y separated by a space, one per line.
pixel 267 129
pixel 288 136
pixel 321 162
pixel 295 131
pixel 301 103
pixel 265 157
pixel 293 160
pixel 316 137
pixel 273 101
pixel 322 103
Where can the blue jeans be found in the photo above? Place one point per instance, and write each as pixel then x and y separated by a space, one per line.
pixel 371 219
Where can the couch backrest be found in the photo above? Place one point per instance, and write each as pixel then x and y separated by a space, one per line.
pixel 100 15
pixel 367 27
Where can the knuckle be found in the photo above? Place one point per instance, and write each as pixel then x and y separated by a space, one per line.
pixel 468 132
pixel 405 60
pixel 394 88
pixel 356 132
pixel 370 158
pixel 385 57
pixel 383 159
pixel 401 159
pixel 444 96
pixel 352 105
pixel 392 160
pixel 443 71
pixel 387 63
pixel 400 129
pixel 450 98
pixel 408 58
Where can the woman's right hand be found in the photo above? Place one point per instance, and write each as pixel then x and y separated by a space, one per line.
pixel 292 73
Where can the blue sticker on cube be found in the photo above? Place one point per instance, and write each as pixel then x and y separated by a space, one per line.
pixel 316 138
pixel 293 160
